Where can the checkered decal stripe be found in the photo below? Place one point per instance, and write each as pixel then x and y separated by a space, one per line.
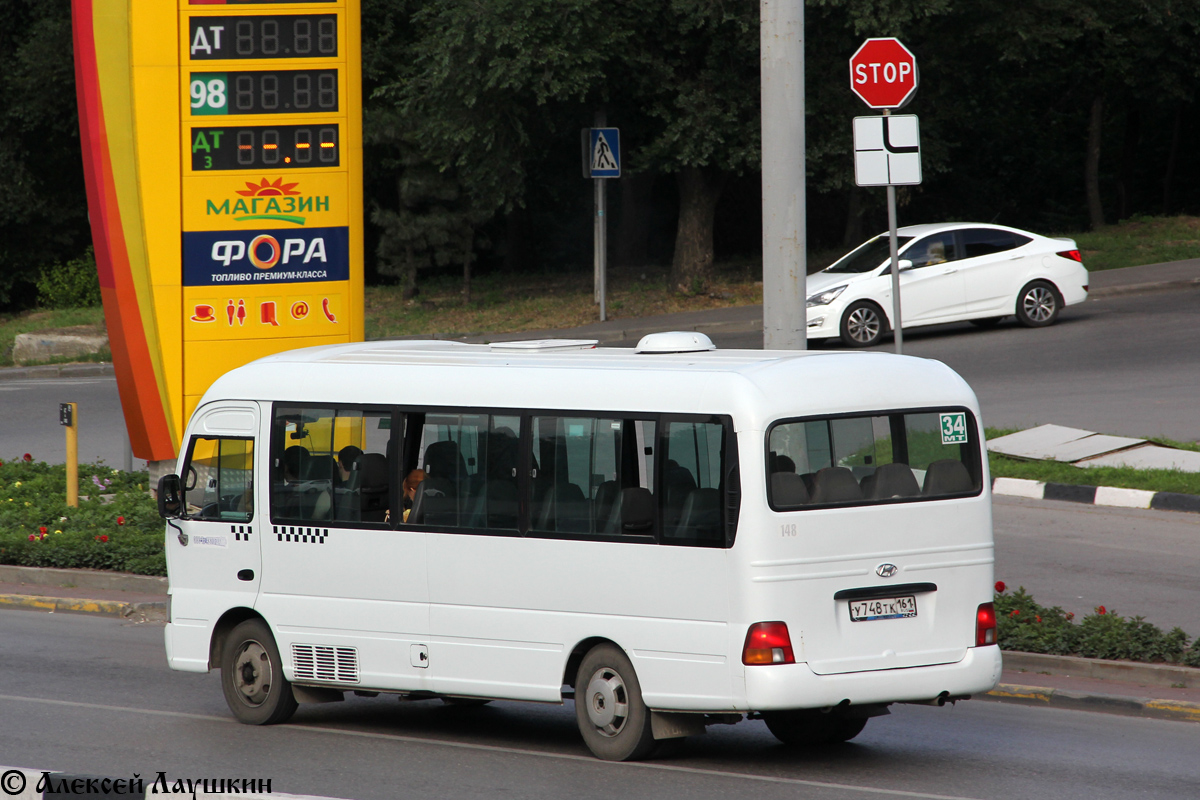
pixel 241 533
pixel 290 533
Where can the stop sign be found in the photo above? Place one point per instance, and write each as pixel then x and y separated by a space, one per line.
pixel 883 73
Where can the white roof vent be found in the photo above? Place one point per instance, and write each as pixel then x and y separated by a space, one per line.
pixel 675 342
pixel 547 344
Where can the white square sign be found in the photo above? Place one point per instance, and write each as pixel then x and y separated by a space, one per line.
pixel 887 150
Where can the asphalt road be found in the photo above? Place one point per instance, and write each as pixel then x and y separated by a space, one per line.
pixel 1126 364
pixel 93 695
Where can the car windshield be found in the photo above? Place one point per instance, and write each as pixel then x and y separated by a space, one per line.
pixel 868 255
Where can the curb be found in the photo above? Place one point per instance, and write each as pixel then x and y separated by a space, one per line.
pixel 1096 495
pixel 1178 710
pixel 80 605
pixel 1161 675
pixel 84 578
pixel 50 371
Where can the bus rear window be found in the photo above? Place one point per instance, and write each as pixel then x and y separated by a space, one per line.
pixel 878 458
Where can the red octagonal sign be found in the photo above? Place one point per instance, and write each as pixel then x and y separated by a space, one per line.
pixel 883 73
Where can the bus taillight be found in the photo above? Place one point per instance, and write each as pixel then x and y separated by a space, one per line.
pixel 768 643
pixel 985 625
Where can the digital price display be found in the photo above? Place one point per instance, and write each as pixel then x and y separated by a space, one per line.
pixel 276 36
pixel 265 147
pixel 277 92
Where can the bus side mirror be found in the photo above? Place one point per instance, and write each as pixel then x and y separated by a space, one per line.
pixel 170 498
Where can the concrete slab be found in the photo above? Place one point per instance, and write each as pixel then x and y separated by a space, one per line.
pixel 1091 446
pixel 1037 442
pixel 1149 456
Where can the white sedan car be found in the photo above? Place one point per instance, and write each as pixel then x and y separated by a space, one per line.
pixel 952 272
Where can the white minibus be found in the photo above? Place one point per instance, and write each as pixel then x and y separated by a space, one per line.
pixel 671 535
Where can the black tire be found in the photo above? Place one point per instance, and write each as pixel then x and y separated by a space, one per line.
pixel 612 718
pixel 863 324
pixel 252 676
pixel 1038 304
pixel 986 322
pixel 465 702
pixel 813 728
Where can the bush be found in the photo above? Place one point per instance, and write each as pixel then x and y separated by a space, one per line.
pixel 1024 625
pixel 120 531
pixel 72 285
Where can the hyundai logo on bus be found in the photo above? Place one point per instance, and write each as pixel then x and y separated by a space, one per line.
pixel 239 257
pixel 886 570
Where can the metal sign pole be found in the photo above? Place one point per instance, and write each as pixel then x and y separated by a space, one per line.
pixel 897 328
pixel 602 245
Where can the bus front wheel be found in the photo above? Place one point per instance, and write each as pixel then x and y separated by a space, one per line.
pixel 252 676
pixel 614 721
pixel 813 727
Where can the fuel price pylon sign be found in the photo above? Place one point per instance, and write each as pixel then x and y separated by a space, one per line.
pixel 223 156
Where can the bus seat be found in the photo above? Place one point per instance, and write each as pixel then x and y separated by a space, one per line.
pixel 633 512
pixel 434 503
pixel 606 495
pixel 501 498
pixel 835 485
pixel 891 480
pixel 442 460
pixel 701 516
pixel 373 486
pixel 564 509
pixel 318 468
pixel 678 483
pixel 947 476
pixel 788 490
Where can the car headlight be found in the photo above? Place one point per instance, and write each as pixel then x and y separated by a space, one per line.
pixel 826 297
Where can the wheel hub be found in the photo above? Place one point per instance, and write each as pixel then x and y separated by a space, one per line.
pixel 606 702
pixel 253 670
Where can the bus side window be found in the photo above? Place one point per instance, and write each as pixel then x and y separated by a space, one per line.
pixel 219 479
pixel 692 496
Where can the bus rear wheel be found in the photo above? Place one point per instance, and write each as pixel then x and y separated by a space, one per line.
pixel 612 718
pixel 252 676
pixel 812 727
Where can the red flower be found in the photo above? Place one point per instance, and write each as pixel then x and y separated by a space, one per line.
pixel 32 537
pixel 104 537
pixel 120 520
pixel 1070 616
pixel 1039 619
pixel 28 458
pixel 1101 610
pixel 42 530
pixel 1015 611
pixel 1000 587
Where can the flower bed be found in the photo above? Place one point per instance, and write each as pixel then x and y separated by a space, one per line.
pixel 1026 626
pixel 116 525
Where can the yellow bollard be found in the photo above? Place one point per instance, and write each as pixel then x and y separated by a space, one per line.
pixel 68 416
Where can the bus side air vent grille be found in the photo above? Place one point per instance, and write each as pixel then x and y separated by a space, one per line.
pixel 315 662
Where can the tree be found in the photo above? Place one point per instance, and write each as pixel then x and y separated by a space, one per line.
pixel 43 210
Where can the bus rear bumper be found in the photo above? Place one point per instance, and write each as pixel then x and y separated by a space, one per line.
pixel 787 686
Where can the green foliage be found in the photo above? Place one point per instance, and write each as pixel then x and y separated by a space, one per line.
pixel 1024 625
pixel 71 285
pixel 119 531
pixel 43 214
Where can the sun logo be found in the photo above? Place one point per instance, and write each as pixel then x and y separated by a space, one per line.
pixel 266 188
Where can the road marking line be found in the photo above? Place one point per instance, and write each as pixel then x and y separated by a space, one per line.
pixel 489 748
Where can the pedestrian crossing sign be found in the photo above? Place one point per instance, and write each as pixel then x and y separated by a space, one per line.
pixel 604 153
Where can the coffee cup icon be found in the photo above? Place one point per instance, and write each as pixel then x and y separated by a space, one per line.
pixel 203 313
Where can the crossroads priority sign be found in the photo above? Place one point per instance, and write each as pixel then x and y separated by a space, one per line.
pixel 887 150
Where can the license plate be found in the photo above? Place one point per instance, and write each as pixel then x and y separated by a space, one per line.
pixel 883 608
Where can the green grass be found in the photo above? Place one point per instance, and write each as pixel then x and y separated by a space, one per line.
pixel 1140 240
pixel 11 325
pixel 1153 480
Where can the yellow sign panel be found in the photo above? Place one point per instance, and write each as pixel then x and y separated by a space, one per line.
pixel 235 201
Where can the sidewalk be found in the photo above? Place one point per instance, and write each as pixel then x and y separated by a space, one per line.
pixel 1116 687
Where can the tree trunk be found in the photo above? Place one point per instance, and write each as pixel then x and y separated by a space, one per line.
pixel 852 237
pixel 699 190
pixel 1129 147
pixel 1172 157
pixel 409 279
pixel 468 255
pixel 1091 177
pixel 633 226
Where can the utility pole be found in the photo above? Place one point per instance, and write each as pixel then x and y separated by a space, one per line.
pixel 781 54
